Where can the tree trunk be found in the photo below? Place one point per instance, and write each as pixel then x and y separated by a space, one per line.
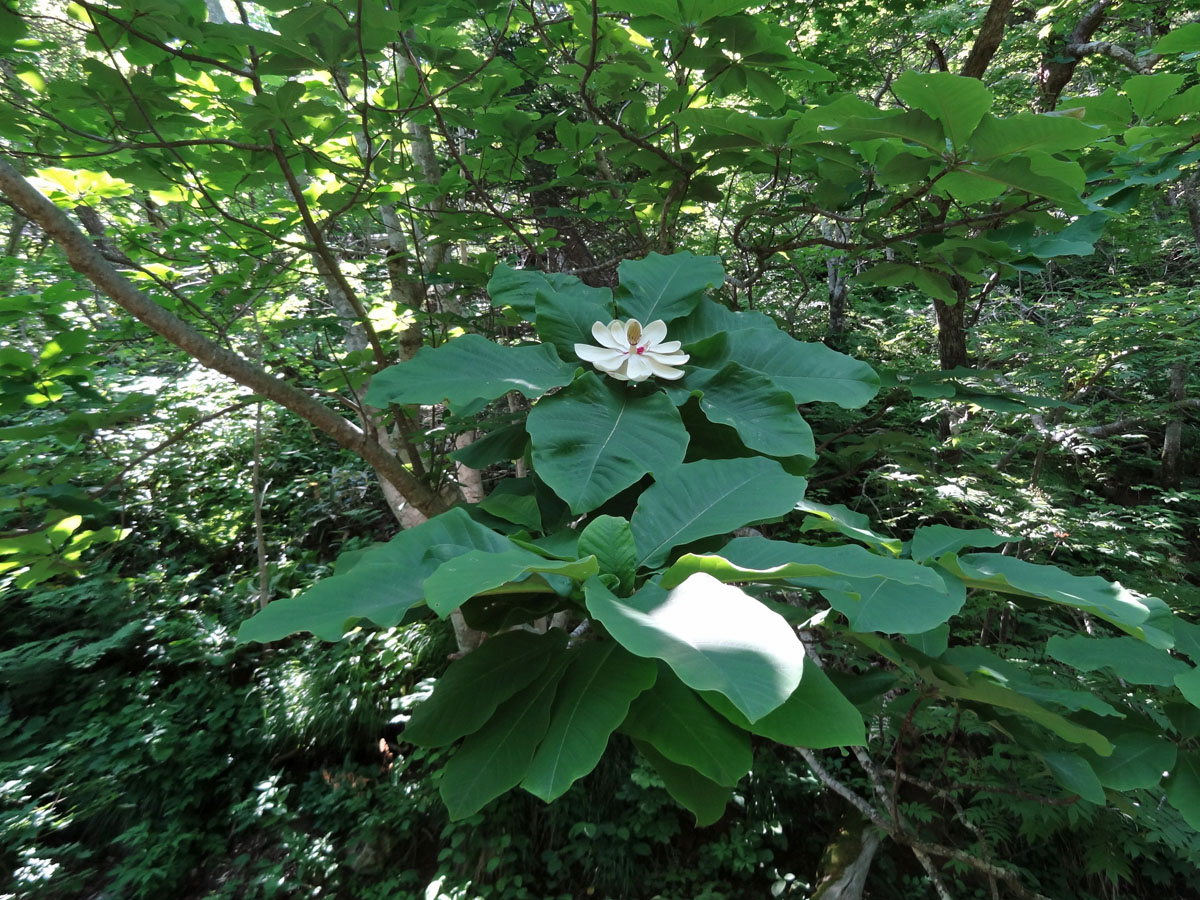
pixel 847 861
pixel 951 333
pixel 839 293
pixel 1172 474
pixel 987 42
pixel 1058 64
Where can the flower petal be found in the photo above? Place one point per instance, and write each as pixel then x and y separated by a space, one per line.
pixel 616 330
pixel 663 371
pixel 599 355
pixel 653 333
pixel 668 359
pixel 638 368
pixel 604 337
pixel 665 347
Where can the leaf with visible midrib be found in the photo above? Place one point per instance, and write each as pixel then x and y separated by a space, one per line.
pixel 467 695
pixel 666 287
pixel 596 438
pixel 496 758
pixel 592 700
pixel 710 496
pixel 470 368
pixel 684 729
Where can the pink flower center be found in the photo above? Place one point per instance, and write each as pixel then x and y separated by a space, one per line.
pixel 641 350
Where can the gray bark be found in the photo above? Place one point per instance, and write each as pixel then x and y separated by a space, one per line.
pixel 1172 474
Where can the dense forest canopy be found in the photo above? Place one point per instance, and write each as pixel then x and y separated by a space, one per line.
pixel 682 448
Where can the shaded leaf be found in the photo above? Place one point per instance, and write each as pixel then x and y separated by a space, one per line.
pixel 701 796
pixel 610 540
pixel 382 585
pixel 816 715
pixel 673 720
pixel 666 287
pixel 763 414
pixel 596 438
pixel 496 757
pixel 482 571
pixel 1130 659
pixel 1138 760
pixel 593 698
pixel 1073 772
pixel 469 692
pixel 1144 617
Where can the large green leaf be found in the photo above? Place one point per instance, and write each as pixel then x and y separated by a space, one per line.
pixel 1144 617
pixel 1021 679
pixel 914 126
pixel 931 542
pixel 1184 39
pixel 504 443
pixel 470 368
pixel 1188 683
pixel 711 496
pixel 703 797
pixel 565 315
pixel 666 287
pixel 760 559
pixel 496 757
pixel 816 715
pixel 1073 772
pixel 468 694
pixel 381 586
pixel 1036 174
pixel 482 571
pixel 519 288
pixel 610 540
pixel 1129 659
pixel 593 699
pixel 515 500
pixel 1148 92
pixel 983 690
pixel 809 372
pixel 1138 760
pixel 681 727
pixel 891 607
pixel 715 637
pixel 842 519
pixel 956 101
pixel 596 438
pixel 1029 131
pixel 763 414
pixel 1183 787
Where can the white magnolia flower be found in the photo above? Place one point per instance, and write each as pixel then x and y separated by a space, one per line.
pixel 629 352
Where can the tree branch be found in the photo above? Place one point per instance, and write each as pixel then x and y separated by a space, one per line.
pixel 88 261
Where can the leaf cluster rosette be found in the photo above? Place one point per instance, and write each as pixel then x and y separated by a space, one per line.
pixel 634 484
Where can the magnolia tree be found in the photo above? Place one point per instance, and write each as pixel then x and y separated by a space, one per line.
pixel 641 460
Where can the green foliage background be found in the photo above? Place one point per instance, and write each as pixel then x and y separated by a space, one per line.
pixel 145 752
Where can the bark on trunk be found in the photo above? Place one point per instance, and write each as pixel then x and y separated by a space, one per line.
pixel 1058 66
pixel 848 861
pixel 951 333
pixel 1172 472
pixel 839 293
pixel 987 42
